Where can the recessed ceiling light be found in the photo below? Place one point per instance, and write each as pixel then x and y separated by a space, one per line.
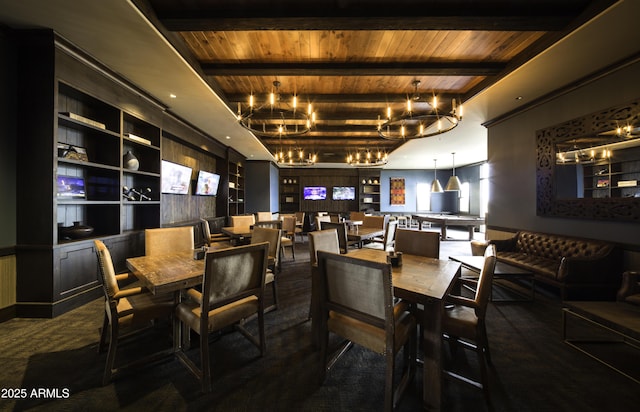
pixel 227 137
pixel 173 96
pixel 519 98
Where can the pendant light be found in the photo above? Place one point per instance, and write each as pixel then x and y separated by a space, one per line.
pixel 436 187
pixel 454 182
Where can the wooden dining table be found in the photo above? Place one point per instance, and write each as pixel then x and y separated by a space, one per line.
pixel 359 234
pixel 425 281
pixel 238 234
pixel 170 273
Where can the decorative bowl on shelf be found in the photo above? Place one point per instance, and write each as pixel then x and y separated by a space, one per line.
pixel 77 231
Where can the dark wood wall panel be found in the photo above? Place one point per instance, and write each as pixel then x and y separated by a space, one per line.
pixel 328 178
pixel 185 208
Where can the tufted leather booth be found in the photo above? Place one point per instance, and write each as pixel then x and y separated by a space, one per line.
pixel 581 268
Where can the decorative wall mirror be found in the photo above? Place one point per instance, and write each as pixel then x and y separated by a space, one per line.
pixel 589 167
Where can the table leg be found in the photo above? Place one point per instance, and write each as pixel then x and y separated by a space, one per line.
pixel 432 355
pixel 471 228
pixel 443 230
pixel 177 329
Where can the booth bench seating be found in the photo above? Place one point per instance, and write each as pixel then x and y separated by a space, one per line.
pixel 581 268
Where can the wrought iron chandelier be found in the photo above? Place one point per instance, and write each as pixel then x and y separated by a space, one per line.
pixel 275 116
pixel 295 157
pixel 367 159
pixel 415 123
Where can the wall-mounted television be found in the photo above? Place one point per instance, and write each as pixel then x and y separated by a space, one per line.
pixel 207 183
pixel 175 178
pixel 344 193
pixel 70 187
pixel 314 193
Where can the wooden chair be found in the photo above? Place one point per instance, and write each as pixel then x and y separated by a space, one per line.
pixel 387 241
pixel 320 220
pixel 378 222
pixel 168 240
pixel 232 291
pixel 289 235
pixel 300 231
pixel 243 220
pixel 343 239
pixel 214 240
pixel 357 216
pixel 417 242
pixel 357 304
pixel 465 322
pixel 273 237
pixel 325 240
pixel 264 216
pixel 125 310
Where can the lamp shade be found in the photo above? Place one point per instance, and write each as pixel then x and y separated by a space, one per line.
pixel 453 183
pixel 436 186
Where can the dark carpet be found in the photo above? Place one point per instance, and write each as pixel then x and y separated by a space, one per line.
pixel 533 369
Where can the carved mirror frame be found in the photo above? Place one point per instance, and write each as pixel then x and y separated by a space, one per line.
pixel 616 209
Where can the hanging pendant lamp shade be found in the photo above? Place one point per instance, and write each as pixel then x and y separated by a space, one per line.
pixel 454 182
pixel 435 185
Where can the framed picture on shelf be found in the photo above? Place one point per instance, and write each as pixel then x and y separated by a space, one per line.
pixel 67 151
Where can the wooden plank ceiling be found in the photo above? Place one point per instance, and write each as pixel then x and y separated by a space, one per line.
pixel 351 58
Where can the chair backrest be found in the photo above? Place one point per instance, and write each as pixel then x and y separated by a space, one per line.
pixel 272 236
pixel 357 216
pixel 108 273
pixel 264 216
pixel 243 220
pixel 342 230
pixel 288 225
pixel 417 242
pixel 325 240
pixel 334 218
pixel 232 274
pixel 299 217
pixel 485 280
pixel 320 220
pixel 377 222
pixel 390 234
pixel 357 288
pixel 206 230
pixel 168 240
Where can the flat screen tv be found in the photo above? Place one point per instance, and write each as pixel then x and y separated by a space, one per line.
pixel 70 187
pixel 344 193
pixel 207 183
pixel 314 193
pixel 175 178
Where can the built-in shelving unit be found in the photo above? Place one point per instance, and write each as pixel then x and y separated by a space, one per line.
pixel 236 188
pixel 369 196
pixel 289 194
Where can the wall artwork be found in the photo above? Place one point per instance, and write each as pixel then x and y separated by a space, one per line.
pixel 397 191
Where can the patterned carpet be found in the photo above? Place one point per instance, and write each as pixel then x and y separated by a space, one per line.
pixel 533 369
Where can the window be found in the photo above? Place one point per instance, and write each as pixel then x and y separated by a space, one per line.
pixel 423 197
pixel 464 197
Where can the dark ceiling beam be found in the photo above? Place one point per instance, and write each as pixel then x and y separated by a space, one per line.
pixel 370 19
pixel 353 69
pixel 384 98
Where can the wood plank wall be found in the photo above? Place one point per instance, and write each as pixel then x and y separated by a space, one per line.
pixel 328 178
pixel 7 281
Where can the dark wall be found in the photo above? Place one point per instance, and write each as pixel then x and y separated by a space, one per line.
pixel 260 185
pixel 7 141
pixel 328 178
pixel 512 159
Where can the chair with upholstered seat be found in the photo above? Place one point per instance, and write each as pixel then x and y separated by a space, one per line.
pixel 273 237
pixel 418 242
pixel 321 220
pixel 289 235
pixel 387 241
pixel 343 237
pixel 125 310
pixel 300 226
pixel 214 240
pixel 168 240
pixel 264 216
pixel 232 292
pixel 325 240
pixel 357 304
pixel 243 220
pixel 465 323
pixel 357 216
pixel 378 222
